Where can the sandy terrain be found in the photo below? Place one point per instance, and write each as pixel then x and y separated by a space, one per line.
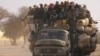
pixel 97 52
pixel 7 50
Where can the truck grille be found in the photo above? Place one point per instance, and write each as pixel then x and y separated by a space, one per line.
pixel 49 55
pixel 49 51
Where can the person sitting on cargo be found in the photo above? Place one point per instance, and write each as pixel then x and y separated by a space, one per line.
pixel 78 11
pixel 83 12
pixel 88 15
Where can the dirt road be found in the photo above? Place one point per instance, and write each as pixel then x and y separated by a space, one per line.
pixel 8 50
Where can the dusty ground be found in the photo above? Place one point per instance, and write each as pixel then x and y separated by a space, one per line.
pixel 7 50
pixel 97 52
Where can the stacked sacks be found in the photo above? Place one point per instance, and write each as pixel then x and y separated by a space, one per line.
pixel 86 35
pixel 84 21
pixel 86 27
pixel 91 29
pixel 83 41
pixel 81 24
pixel 83 38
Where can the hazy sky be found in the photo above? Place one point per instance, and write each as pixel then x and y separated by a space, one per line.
pixel 13 5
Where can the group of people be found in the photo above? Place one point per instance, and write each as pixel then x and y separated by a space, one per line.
pixel 58 11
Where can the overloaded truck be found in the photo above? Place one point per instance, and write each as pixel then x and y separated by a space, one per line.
pixel 72 36
pixel 56 40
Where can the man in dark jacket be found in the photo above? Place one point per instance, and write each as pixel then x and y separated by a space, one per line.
pixel 66 6
pixel 41 12
pixel 58 10
pixel 50 13
pixel 41 16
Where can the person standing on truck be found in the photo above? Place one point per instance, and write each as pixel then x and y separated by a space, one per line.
pixel 66 6
pixel 40 16
pixel 30 13
pixel 58 10
pixel 31 20
pixel 50 13
pixel 34 12
pixel 71 11
pixel 62 10
pixel 41 12
pixel 46 12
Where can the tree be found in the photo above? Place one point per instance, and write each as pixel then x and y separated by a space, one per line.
pixel 13 29
pixel 23 12
pixel 14 26
pixel 4 13
pixel 23 16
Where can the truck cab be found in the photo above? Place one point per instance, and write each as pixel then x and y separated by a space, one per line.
pixel 51 42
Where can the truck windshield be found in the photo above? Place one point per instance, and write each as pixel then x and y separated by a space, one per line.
pixel 61 35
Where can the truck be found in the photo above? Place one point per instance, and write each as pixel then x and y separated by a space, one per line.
pixel 59 41
pixel 51 42
pixel 71 36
